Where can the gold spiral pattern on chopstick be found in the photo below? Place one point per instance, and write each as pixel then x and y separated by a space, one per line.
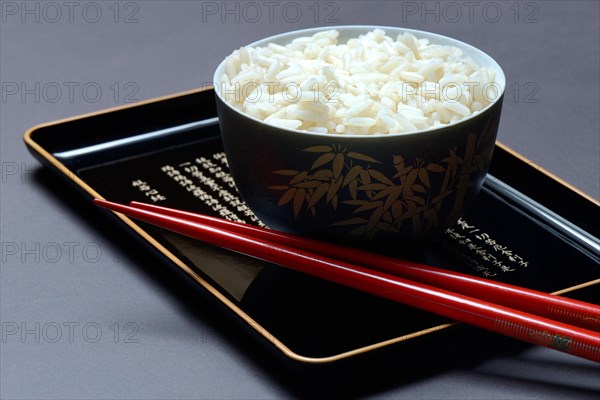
pixel 544 338
pixel 573 315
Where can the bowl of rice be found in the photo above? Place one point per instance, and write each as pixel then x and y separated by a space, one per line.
pixel 375 134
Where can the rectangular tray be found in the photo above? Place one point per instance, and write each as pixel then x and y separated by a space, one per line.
pixel 526 228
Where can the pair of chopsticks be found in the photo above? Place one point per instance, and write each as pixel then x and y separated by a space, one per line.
pixel 564 324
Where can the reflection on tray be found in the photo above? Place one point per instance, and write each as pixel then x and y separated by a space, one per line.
pixel 230 271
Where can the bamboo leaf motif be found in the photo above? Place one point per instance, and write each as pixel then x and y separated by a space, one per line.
pixel 318 194
pixel 368 206
pixel 410 180
pixel 334 202
pixel 324 159
pixel 418 188
pixel 362 157
pixel 453 162
pixel 299 178
pixel 417 199
pixel 424 176
pixel 410 212
pixel 400 171
pixel 395 193
pixel 287 196
pixel 383 193
pixel 353 187
pixel 399 167
pixel 333 189
pixel 435 168
pixel 365 178
pixel 319 149
pixel 322 175
pixel 380 177
pixel 396 210
pixel 338 164
pixel 374 219
pixel 339 176
pixel 298 200
pixel 352 175
pixel 386 227
pixel 289 172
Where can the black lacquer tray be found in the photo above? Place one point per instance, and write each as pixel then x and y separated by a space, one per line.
pixel 526 228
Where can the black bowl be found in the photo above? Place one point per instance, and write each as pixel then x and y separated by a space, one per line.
pixel 397 188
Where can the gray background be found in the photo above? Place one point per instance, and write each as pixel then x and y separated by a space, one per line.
pixel 143 49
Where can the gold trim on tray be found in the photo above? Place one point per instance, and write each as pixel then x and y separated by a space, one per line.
pixel 251 322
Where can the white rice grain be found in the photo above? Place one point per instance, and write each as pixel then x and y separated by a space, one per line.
pixel 372 84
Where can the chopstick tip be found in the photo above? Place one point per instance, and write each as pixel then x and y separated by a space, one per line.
pixel 108 204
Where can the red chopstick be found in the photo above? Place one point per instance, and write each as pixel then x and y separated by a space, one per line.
pixel 562 309
pixel 511 322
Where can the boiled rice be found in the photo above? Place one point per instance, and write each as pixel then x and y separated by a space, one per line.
pixel 372 84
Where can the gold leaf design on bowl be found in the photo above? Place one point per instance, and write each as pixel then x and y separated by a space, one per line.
pixel 382 203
